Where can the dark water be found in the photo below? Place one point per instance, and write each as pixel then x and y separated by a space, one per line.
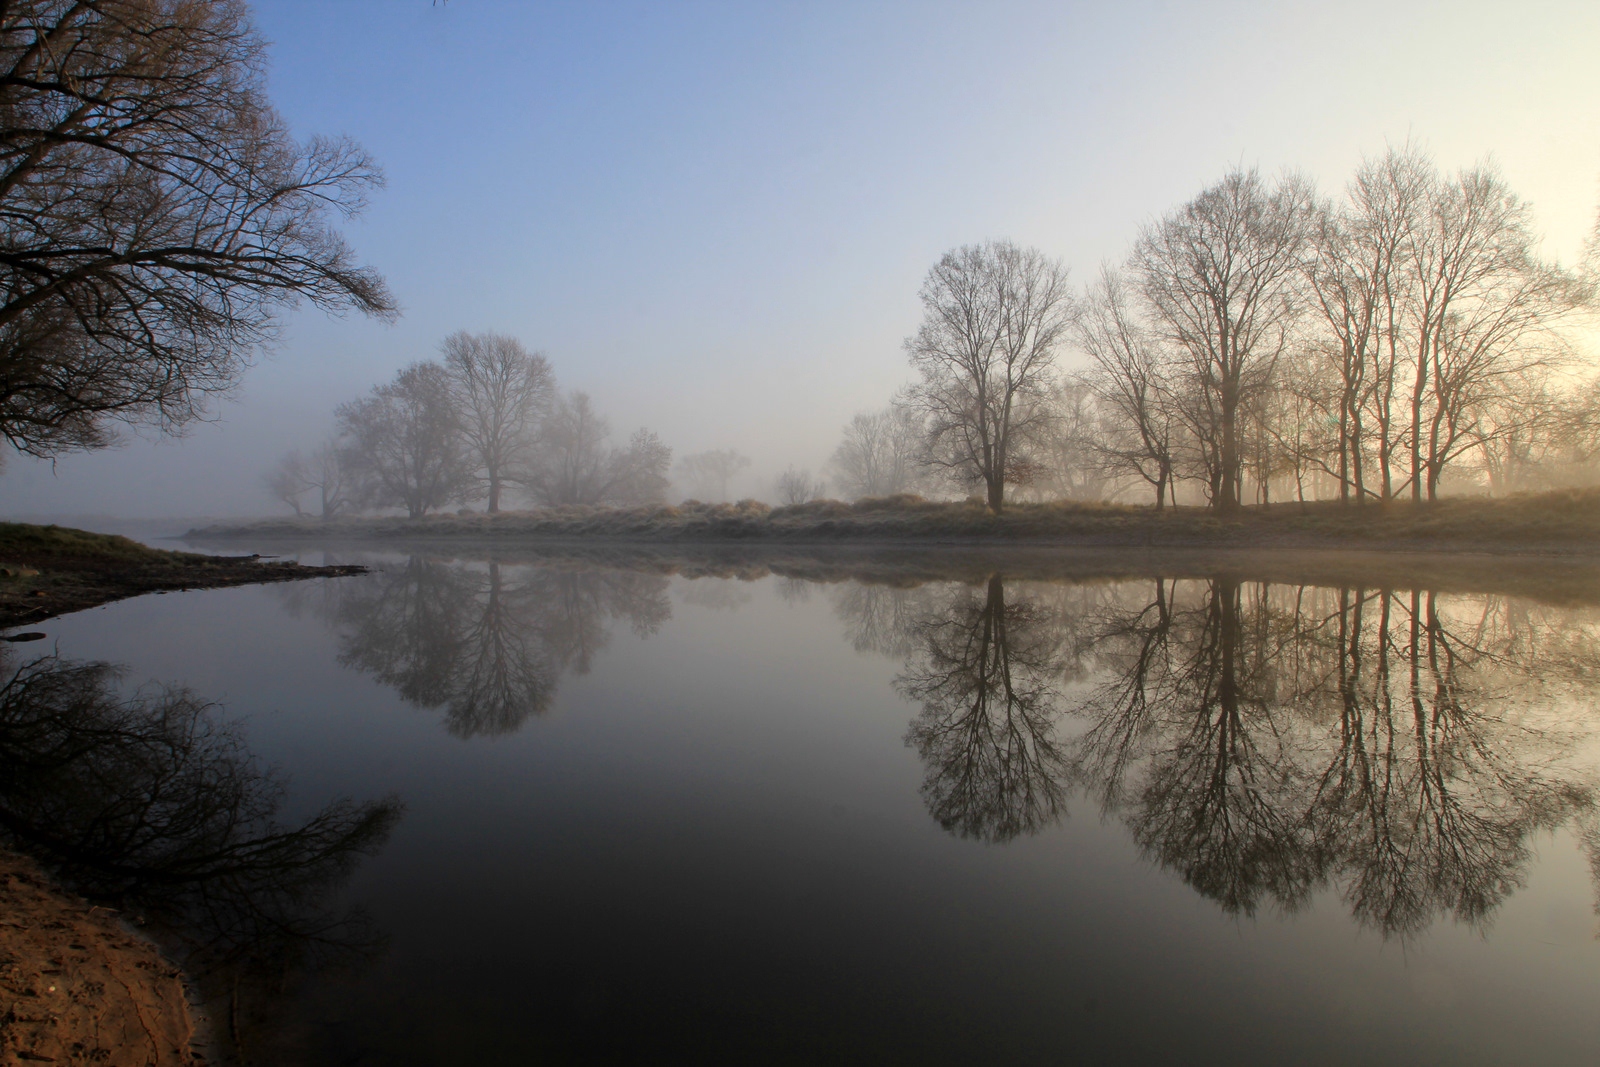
pixel 572 811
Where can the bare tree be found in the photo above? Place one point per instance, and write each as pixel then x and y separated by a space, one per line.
pixel 880 453
pixel 798 487
pixel 324 472
pixel 1483 305
pixel 1069 453
pixel 501 390
pixel 639 472
pixel 1220 274
pixel 286 481
pixel 1129 380
pixel 708 473
pixel 1354 282
pixel 155 215
pixel 405 442
pixel 572 462
pixel 993 316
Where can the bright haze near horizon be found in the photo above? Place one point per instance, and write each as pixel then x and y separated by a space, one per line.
pixel 714 218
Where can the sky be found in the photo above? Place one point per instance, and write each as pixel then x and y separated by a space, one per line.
pixel 714 218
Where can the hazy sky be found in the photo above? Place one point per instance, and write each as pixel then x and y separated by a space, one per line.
pixel 715 217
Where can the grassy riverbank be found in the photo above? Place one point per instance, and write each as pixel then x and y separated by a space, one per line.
pixel 1566 521
pixel 51 570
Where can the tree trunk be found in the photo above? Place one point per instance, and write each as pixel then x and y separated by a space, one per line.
pixel 1228 488
pixel 1416 424
pixel 1344 451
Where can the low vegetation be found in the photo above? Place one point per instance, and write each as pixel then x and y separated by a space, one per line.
pixel 51 570
pixel 1567 520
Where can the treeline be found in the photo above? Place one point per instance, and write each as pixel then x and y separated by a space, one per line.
pixel 483 424
pixel 1260 341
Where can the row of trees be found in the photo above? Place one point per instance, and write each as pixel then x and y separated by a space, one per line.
pixel 484 422
pixel 1259 339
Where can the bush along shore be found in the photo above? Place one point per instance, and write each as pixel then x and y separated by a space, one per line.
pixel 1563 521
pixel 47 571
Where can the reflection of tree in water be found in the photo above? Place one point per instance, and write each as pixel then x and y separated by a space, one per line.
pixel 987 676
pixel 881 618
pixel 487 645
pixel 153 803
pixel 1265 741
pixel 1262 741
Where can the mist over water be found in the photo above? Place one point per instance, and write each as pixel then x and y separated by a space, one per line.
pixel 697 807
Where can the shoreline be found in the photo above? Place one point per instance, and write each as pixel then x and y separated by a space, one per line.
pixel 1564 523
pixel 49 571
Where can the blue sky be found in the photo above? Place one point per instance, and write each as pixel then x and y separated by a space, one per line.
pixel 715 217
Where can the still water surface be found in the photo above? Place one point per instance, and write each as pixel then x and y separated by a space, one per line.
pixel 597 813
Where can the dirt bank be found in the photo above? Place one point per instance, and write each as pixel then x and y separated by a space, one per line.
pixel 78 988
pixel 47 571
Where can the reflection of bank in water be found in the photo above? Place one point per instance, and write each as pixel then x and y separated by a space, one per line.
pixel 153 805
pixel 1263 741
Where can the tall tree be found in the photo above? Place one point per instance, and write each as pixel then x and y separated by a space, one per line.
pixel 501 390
pixel 155 215
pixel 993 317
pixel 405 442
pixel 1481 302
pixel 1220 275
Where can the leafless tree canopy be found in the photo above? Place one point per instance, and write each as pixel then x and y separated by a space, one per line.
pixel 1219 275
pixel 155 215
pixel 994 316
pixel 500 391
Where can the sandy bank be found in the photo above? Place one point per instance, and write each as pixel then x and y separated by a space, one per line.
pixel 78 988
